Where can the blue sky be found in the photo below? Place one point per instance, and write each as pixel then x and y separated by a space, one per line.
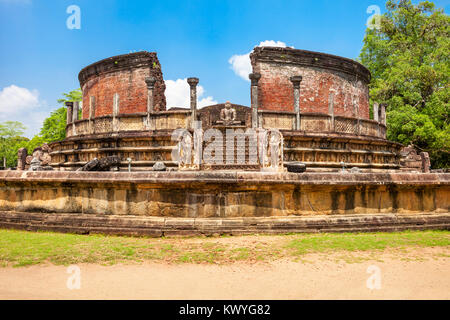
pixel 41 57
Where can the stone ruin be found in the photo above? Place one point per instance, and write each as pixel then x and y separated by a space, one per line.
pixel 305 156
pixel 317 103
pixel 39 160
pixel 411 161
pixel 104 164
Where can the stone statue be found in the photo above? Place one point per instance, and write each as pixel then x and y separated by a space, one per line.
pixel 43 154
pixel 185 151
pixel 271 150
pixel 276 150
pixel 228 115
pixel 36 165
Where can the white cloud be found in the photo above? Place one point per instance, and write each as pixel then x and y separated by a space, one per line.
pixel 241 63
pixel 272 43
pixel 178 95
pixel 14 99
pixel 24 105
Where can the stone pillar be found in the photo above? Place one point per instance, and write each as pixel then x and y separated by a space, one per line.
pixel 69 105
pixel 22 159
pixel 383 114
pixel 198 145
pixel 426 163
pixel 376 115
pixel 296 83
pixel 331 110
pixel 76 108
pixel 150 81
pixel 254 77
pixel 115 122
pixel 91 113
pixel 193 82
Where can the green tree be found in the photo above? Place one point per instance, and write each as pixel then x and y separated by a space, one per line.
pixel 408 56
pixel 54 127
pixel 10 140
pixel 74 95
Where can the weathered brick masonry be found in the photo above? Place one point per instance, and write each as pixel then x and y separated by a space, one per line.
pixel 123 75
pixel 329 82
pixel 355 179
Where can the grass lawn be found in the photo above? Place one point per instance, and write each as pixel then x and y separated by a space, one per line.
pixel 21 248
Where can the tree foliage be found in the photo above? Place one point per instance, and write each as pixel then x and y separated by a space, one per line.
pixel 10 137
pixel 74 95
pixel 408 56
pixel 53 129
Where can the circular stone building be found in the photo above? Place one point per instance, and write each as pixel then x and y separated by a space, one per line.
pixel 319 102
pixel 226 168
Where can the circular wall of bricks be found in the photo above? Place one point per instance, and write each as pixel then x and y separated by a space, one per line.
pixel 330 84
pixel 117 84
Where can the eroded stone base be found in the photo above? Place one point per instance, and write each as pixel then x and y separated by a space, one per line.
pixel 158 227
pixel 157 203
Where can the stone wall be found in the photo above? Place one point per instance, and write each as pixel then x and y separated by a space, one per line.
pixel 123 75
pixel 192 202
pixel 329 82
pixel 221 194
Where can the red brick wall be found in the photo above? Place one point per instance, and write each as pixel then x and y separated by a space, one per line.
pixel 127 80
pixel 276 91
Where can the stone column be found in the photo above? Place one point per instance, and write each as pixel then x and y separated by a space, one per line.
pixel 198 145
pixel 383 114
pixel 22 159
pixel 69 105
pixel 376 115
pixel 91 113
pixel 254 77
pixel 426 163
pixel 331 110
pixel 76 108
pixel 115 122
pixel 193 82
pixel 296 83
pixel 150 81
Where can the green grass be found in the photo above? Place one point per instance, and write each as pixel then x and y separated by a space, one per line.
pixel 21 248
pixel 368 241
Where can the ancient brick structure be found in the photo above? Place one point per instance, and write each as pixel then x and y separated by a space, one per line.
pixel 117 85
pixel 329 84
pixel 309 112
pixel 319 102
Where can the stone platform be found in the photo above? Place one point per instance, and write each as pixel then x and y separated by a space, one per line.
pixel 227 202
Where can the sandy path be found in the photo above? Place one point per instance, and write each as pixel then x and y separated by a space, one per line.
pixel 320 278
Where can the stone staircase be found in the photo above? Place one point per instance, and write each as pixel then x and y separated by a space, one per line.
pixel 238 158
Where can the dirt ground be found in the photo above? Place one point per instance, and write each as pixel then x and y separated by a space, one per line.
pixel 418 274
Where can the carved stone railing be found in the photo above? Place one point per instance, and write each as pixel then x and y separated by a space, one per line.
pixel 171 120
pixel 321 123
pixel 163 120
pixel 281 120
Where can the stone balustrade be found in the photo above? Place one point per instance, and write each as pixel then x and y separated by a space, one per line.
pixel 321 123
pixel 163 120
